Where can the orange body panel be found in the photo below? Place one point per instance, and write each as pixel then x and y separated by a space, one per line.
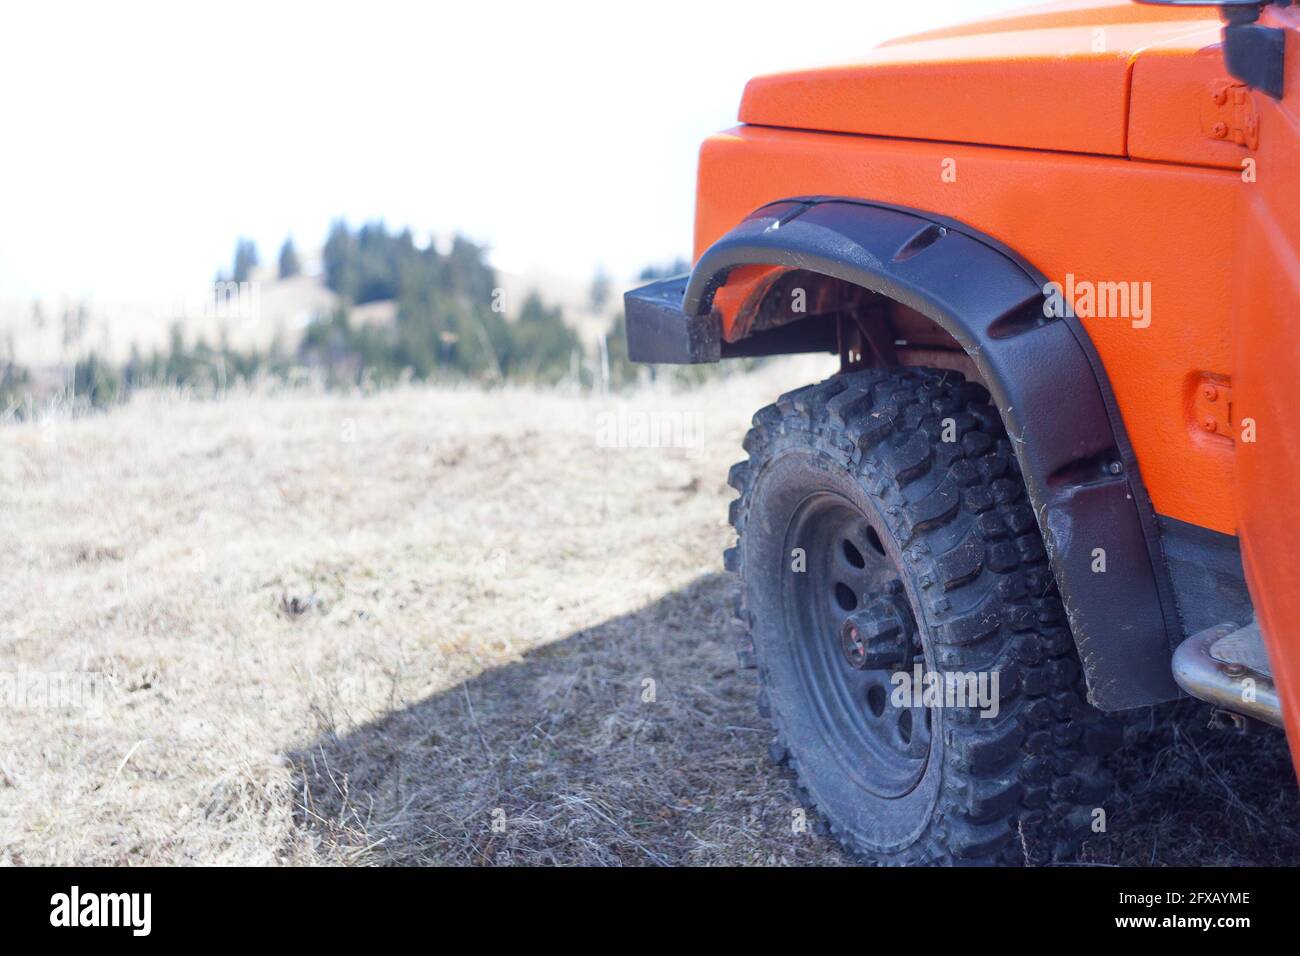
pixel 1262 316
pixel 1175 103
pixel 1095 218
pixel 1105 166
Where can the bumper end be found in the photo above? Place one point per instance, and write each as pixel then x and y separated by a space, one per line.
pixel 658 331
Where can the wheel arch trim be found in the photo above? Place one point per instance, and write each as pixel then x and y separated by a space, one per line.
pixel 1049 385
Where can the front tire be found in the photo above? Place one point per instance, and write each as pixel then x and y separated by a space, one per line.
pixel 890 499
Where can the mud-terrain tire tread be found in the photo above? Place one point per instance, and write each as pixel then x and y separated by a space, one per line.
pixel 1017 788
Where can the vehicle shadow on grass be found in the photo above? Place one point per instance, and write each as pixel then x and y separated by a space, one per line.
pixel 561 758
pixel 561 752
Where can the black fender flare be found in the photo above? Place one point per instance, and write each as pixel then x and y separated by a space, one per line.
pixel 1048 382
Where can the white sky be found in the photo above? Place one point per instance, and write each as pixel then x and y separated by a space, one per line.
pixel 140 139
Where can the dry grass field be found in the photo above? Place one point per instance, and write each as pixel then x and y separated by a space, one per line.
pixel 420 626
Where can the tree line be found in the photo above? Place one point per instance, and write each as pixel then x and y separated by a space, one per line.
pixel 450 323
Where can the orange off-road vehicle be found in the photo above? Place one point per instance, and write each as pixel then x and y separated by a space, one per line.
pixel 1058 474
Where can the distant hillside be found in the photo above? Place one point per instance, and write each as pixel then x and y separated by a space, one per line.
pixel 45 333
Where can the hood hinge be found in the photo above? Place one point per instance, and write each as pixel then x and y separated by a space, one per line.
pixel 1228 113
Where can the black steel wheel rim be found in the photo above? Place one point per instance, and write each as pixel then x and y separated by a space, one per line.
pixel 845 564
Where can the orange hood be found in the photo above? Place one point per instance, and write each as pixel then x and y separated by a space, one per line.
pixel 1049 77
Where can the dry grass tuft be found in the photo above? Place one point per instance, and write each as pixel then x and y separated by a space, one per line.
pixel 1189 794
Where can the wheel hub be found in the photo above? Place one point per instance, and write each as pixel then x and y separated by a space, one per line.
pixel 879 636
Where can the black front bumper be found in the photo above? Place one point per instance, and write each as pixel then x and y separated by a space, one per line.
pixel 659 331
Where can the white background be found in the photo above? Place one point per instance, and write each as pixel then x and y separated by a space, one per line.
pixel 139 140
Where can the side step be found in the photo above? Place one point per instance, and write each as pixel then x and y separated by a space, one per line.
pixel 1228 667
